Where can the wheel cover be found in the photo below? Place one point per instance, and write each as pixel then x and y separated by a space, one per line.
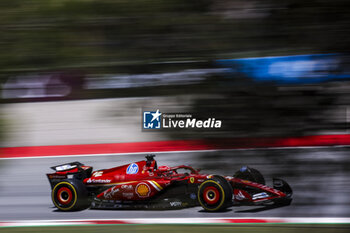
pixel 64 195
pixel 211 195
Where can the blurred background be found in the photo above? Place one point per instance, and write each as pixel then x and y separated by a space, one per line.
pixel 267 68
pixel 80 72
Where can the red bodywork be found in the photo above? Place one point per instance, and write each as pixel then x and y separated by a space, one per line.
pixel 142 184
pixel 143 180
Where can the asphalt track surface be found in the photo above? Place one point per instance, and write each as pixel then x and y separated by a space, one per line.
pixel 319 178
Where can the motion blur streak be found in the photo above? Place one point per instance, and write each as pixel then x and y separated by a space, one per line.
pixel 178 145
pixel 173 221
pixel 76 76
pixel 318 177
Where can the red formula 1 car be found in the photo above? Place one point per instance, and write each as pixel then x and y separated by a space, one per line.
pixel 143 185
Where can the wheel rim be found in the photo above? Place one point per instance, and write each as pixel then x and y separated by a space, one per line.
pixel 211 195
pixel 64 195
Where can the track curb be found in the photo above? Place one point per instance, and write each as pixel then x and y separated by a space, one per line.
pixel 86 222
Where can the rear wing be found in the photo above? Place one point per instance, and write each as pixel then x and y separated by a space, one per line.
pixel 73 170
pixel 67 166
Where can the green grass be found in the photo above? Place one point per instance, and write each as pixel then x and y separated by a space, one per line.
pixel 192 228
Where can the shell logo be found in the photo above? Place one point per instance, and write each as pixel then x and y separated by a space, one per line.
pixel 143 190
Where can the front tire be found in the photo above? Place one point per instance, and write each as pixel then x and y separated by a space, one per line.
pixel 70 195
pixel 251 174
pixel 215 194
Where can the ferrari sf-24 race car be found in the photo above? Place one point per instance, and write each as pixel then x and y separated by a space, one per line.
pixel 144 185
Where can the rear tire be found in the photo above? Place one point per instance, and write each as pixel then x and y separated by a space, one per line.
pixel 70 195
pixel 215 194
